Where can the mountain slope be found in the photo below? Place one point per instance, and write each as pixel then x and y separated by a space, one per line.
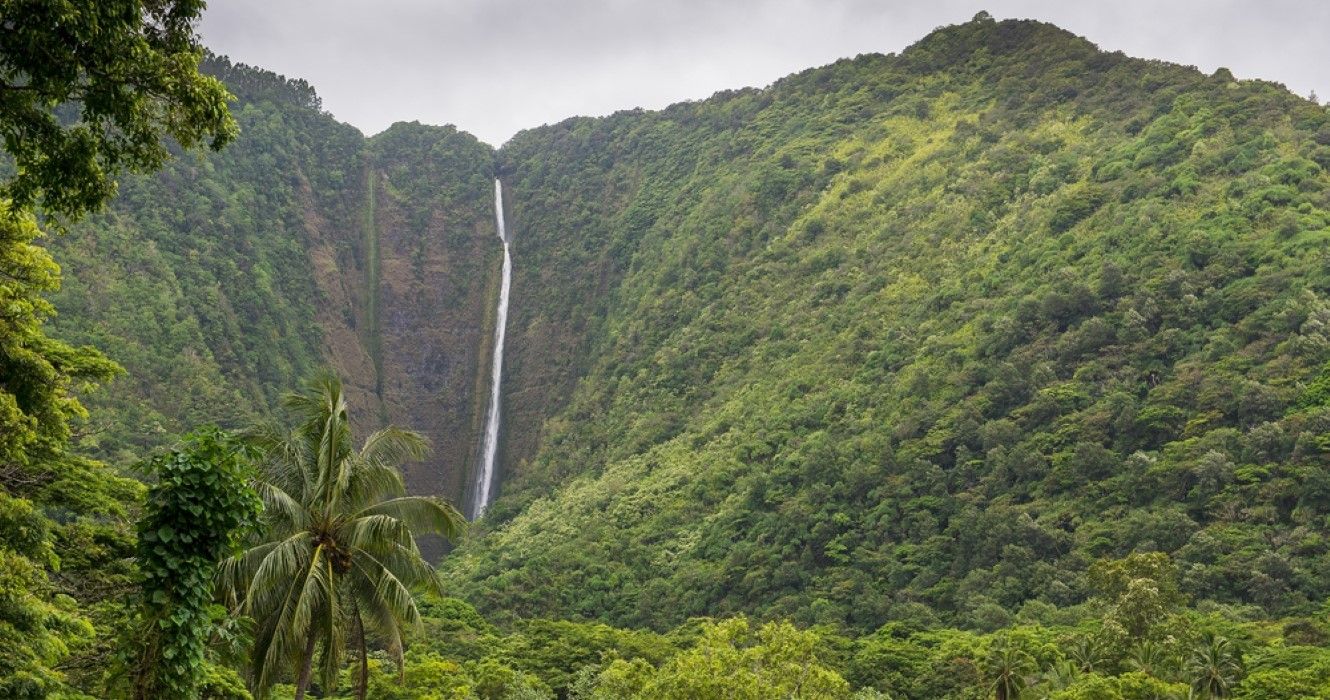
pixel 916 335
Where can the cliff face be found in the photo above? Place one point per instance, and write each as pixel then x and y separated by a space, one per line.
pixel 438 254
pixel 565 271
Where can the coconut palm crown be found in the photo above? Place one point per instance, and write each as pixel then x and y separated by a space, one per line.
pixel 337 563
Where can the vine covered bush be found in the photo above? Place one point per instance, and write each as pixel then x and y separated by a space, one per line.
pixel 197 512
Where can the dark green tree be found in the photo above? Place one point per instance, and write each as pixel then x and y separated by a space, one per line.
pixel 38 376
pixel 33 628
pixel 91 87
pixel 88 88
pixel 1214 667
pixel 38 372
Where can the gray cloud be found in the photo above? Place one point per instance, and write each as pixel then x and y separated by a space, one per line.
pixel 494 67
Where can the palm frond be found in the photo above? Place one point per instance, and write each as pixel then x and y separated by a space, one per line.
pixel 284 461
pixel 421 515
pixel 317 592
pixel 392 446
pixel 235 572
pixel 407 565
pixel 371 483
pixel 377 616
pixel 281 508
pixel 404 561
pixel 410 567
pixel 389 591
pixel 283 563
pixel 372 531
pixel 280 643
pixel 332 629
pixel 319 393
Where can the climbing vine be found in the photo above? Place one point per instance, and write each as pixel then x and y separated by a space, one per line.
pixel 197 511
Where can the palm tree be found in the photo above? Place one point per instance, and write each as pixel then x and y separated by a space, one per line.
pixel 1153 659
pixel 1061 675
pixel 1008 665
pixel 1086 654
pixel 1214 667
pixel 338 560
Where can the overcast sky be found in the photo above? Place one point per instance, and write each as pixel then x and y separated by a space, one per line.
pixel 494 67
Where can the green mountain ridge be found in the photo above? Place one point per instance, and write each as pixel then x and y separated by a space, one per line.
pixel 907 337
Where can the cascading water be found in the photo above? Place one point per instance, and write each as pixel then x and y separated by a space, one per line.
pixel 485 481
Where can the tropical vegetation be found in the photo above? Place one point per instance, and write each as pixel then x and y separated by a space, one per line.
pixel 998 368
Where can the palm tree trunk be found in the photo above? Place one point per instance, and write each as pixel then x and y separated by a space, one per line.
pixel 362 685
pixel 303 682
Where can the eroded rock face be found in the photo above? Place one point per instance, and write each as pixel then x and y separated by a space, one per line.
pixel 417 278
pixel 433 285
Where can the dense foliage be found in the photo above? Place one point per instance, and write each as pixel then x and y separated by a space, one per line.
pixel 227 278
pixel 197 279
pixel 86 89
pixel 216 283
pixel 1080 654
pixel 197 512
pixel 997 368
pixel 926 334
pixel 40 373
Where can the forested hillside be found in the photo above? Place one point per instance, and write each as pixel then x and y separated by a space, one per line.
pixel 229 277
pixel 917 337
pixel 996 368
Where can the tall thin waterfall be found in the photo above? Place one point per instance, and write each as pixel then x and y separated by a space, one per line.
pixel 485 482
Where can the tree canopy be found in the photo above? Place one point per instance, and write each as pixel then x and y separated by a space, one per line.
pixel 91 87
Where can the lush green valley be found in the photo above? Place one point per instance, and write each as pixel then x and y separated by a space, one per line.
pixel 996 368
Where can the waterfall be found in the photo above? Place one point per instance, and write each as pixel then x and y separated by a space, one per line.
pixel 485 480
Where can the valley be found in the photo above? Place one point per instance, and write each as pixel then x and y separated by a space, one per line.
pixel 1003 357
